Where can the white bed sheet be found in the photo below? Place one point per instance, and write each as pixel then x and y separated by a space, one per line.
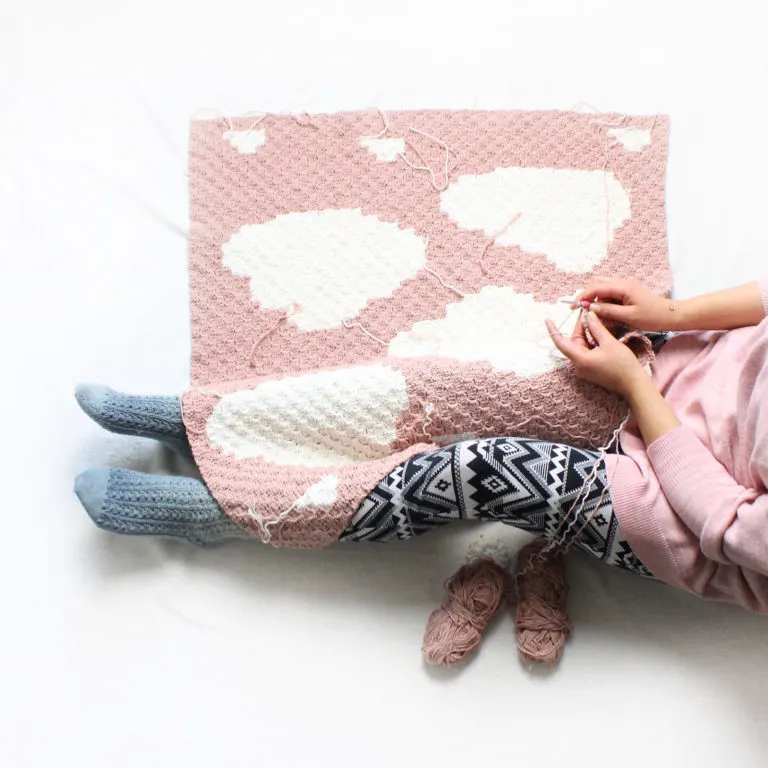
pixel 126 652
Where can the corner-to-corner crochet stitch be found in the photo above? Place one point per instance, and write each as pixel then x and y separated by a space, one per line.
pixel 365 289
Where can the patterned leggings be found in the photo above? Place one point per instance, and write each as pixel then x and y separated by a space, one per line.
pixel 529 484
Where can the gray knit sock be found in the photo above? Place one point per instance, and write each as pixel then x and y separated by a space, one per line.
pixel 158 418
pixel 124 501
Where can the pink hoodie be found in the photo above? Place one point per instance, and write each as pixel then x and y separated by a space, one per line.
pixel 694 505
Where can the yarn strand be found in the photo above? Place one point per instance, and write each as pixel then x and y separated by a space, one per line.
pixel 448 168
pixel 541 618
pixel 476 593
pixel 425 167
pixel 264 525
pixel 383 131
pixel 348 324
pixel 284 315
pixel 492 240
pixel 446 285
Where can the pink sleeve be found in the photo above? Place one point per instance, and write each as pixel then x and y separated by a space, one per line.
pixel 764 292
pixel 731 521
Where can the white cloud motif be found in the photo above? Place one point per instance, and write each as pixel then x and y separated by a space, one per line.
pixel 322 494
pixel 328 263
pixel 564 213
pixel 325 419
pixel 497 325
pixel 386 150
pixel 246 142
pixel 632 139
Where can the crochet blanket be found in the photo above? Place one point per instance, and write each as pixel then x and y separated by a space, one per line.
pixel 366 286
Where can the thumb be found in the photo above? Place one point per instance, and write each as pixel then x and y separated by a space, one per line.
pixel 599 331
pixel 608 311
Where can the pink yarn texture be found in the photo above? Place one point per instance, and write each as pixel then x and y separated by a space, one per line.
pixel 541 615
pixel 276 218
pixel 476 592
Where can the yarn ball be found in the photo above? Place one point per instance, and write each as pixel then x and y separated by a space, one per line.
pixel 541 617
pixel 476 592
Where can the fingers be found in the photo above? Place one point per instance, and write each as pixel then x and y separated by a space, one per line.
pixel 603 288
pixel 618 312
pixel 567 346
pixel 599 331
pixel 579 336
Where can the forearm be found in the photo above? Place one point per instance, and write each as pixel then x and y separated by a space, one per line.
pixel 728 519
pixel 653 415
pixel 720 311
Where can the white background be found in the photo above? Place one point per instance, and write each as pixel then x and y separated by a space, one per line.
pixel 124 652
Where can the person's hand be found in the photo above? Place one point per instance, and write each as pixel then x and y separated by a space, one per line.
pixel 627 302
pixel 610 364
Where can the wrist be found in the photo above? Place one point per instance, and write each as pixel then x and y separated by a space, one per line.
pixel 674 314
pixel 638 386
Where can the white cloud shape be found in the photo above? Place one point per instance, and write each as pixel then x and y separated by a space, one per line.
pixel 568 215
pixel 325 419
pixel 246 142
pixel 632 139
pixel 329 263
pixel 322 494
pixel 386 150
pixel 497 325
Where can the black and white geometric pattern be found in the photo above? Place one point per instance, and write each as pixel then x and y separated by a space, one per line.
pixel 534 485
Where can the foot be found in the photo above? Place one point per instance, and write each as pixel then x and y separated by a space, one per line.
pixel 124 501
pixel 158 418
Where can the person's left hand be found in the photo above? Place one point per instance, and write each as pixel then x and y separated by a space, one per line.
pixel 610 364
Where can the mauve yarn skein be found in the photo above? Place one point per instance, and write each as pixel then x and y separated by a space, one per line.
pixel 541 618
pixel 476 592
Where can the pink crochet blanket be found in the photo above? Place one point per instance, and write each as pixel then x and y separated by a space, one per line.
pixel 367 286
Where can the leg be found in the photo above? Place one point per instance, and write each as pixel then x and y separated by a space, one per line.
pixel 533 485
pixel 123 501
pixel 158 418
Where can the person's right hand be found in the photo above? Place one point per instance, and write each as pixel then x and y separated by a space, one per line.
pixel 627 302
pixel 609 364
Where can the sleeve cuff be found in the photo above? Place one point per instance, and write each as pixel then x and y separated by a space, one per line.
pixel 676 458
pixel 698 488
